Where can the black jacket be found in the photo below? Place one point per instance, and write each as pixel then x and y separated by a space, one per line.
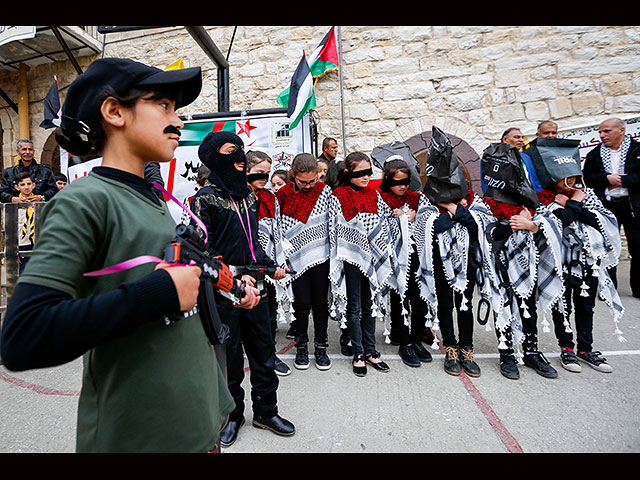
pixel 41 175
pixel 226 232
pixel 595 175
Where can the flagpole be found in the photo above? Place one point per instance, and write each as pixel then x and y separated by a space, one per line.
pixel 344 141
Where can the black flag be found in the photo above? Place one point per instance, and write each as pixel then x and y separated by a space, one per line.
pixel 52 108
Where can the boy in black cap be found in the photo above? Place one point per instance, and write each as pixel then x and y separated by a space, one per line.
pixel 228 202
pixel 148 385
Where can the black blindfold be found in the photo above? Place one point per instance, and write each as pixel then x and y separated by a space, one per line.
pixel 359 173
pixel 252 177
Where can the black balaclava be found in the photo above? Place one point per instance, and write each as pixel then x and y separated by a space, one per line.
pixel 223 172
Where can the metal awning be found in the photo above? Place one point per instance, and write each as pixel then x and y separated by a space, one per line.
pixel 50 44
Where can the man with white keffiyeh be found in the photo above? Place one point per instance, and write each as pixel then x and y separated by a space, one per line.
pixel 612 170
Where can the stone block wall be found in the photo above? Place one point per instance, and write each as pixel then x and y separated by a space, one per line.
pixel 472 81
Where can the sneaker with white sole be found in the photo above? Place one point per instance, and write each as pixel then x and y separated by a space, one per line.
pixel 569 360
pixel 302 357
pixel 595 360
pixel 282 369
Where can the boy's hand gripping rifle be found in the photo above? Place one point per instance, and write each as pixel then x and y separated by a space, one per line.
pixel 188 249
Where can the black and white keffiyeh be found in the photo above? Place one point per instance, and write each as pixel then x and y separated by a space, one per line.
pixel 454 247
pixel 605 154
pixel 525 265
pixel 365 241
pixel 270 239
pixel 598 249
pixel 304 244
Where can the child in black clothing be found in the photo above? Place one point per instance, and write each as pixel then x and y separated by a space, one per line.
pixel 394 190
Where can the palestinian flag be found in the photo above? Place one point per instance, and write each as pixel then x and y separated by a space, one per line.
pixel 325 57
pixel 301 97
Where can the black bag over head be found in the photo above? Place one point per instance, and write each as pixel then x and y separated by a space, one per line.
pixel 555 159
pixel 398 151
pixel 445 179
pixel 504 174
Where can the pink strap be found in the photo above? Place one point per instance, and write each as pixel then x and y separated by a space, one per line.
pixel 247 235
pixel 133 262
pixel 191 214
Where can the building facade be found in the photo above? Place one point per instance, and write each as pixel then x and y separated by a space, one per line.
pixel 397 81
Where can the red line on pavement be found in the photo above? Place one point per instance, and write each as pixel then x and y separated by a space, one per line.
pixel 284 350
pixel 36 388
pixel 508 440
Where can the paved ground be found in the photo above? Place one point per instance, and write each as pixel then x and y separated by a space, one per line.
pixel 405 410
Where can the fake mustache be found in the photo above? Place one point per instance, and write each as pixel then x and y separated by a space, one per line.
pixel 171 129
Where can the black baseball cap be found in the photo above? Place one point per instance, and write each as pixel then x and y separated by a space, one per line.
pixel 81 109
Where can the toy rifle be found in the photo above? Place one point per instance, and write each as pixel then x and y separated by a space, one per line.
pixel 188 248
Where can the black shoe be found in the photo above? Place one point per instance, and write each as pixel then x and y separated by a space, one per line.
pixel 229 433
pixel 380 366
pixel 469 365
pixel 422 353
pixel 595 360
pixel 281 368
pixel 509 367
pixel 302 357
pixel 276 424
pixel 451 362
pixel 322 359
pixel 408 356
pixel 359 371
pixel 540 364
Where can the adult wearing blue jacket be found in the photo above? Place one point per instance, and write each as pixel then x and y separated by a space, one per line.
pixel 514 137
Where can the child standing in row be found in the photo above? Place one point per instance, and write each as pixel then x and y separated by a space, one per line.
pixel 361 257
pixel 258 168
pixel 591 247
pixel 304 226
pixel 405 204
pixel 525 268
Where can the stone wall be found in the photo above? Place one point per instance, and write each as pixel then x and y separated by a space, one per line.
pixel 471 81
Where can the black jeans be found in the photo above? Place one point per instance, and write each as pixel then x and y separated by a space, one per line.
pixel 529 327
pixel 311 293
pixel 448 300
pixel 583 307
pixel 250 334
pixel 360 321
pixel 631 224
pixel 413 334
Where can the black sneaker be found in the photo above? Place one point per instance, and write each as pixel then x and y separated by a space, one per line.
pixel 322 359
pixel 595 360
pixel 469 365
pixel 408 356
pixel 281 368
pixel 540 364
pixel 422 353
pixel 302 357
pixel 451 361
pixel 508 366
pixel 569 360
